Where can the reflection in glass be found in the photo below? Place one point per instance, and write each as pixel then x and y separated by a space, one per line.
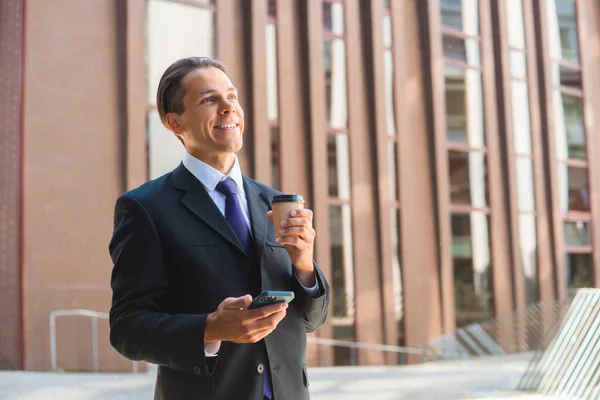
pixel 271 72
pixel 464 107
pixel 515 23
pixel 569 126
pixel 341 264
pixel 463 50
pixel 388 64
pixel 176 31
pixel 387 31
pixel 565 76
pixel 165 151
pixel 562 30
pixel 333 18
pixel 573 188
pixel 576 233
pixel 580 272
pixel 461 14
pixel 520 117
pixel 392 170
pixel 525 197
pixel 338 166
pixel 468 178
pixel 335 83
pixel 472 268
pixel 528 246
pixel 275 157
pixel 518 64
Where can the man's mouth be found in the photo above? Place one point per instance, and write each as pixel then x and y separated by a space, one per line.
pixel 226 126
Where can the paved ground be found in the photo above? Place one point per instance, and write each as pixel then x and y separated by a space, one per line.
pixel 486 378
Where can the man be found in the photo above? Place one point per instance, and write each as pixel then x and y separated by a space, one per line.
pixel 193 247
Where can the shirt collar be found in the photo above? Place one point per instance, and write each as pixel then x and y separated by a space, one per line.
pixel 209 176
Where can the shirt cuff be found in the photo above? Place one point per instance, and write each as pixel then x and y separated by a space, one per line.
pixel 311 291
pixel 211 349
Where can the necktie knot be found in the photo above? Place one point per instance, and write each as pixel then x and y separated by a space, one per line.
pixel 227 187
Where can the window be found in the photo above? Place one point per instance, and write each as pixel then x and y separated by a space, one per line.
pixel 272 91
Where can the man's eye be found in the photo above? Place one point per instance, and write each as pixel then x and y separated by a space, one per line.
pixel 208 100
pixel 233 97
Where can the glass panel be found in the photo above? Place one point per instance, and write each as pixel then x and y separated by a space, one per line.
pixel 520 117
pixel 528 245
pixel 576 233
pixel 388 64
pixel 165 151
pixel 562 30
pixel 525 196
pixel 272 8
pixel 338 166
pixel 333 18
pixel 461 14
pixel 271 72
pixel 468 178
pixel 580 272
pixel 565 76
pixel 464 107
pixel 392 171
pixel 275 157
pixel 518 64
pixel 568 122
pixel 335 83
pixel 387 31
pixel 176 31
pixel 386 4
pixel 396 273
pixel 459 49
pixel 341 265
pixel 515 23
pixel 573 188
pixel 472 268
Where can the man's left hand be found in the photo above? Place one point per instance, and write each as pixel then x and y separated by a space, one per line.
pixel 298 237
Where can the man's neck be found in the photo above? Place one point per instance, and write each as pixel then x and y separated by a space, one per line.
pixel 223 164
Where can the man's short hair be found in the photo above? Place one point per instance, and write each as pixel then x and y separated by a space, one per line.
pixel 170 93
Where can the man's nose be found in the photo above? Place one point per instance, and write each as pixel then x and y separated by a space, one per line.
pixel 227 107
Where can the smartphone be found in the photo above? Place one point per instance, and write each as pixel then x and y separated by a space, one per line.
pixel 271 297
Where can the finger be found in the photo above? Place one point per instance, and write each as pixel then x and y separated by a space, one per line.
pixel 268 323
pixel 270 216
pixel 293 241
pixel 265 311
pixel 298 231
pixel 296 222
pixel 236 303
pixel 302 212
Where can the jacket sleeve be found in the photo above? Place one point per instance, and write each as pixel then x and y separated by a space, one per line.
pixel 314 309
pixel 140 329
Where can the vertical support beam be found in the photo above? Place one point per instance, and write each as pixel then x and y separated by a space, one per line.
pixel 315 104
pixel 12 15
pixel 588 21
pixel 258 108
pixel 364 231
pixel 546 106
pixel 136 146
pixel 420 251
pixel 382 178
pixel 500 244
pixel 232 31
pixel 294 143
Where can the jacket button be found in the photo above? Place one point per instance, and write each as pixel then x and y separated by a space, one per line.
pixel 197 370
pixel 260 368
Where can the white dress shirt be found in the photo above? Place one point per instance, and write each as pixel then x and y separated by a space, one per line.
pixel 210 178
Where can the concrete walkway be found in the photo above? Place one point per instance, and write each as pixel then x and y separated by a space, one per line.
pixel 485 378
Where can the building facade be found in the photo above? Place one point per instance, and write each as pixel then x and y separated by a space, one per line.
pixel 449 150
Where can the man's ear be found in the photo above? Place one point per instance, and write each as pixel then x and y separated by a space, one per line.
pixel 173 123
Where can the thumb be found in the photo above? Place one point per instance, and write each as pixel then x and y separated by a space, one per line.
pixel 236 303
pixel 270 215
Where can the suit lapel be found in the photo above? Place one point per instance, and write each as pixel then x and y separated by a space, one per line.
pixel 258 207
pixel 198 201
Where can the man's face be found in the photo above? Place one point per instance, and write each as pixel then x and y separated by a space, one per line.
pixel 213 121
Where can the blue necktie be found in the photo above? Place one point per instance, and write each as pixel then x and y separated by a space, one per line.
pixel 235 217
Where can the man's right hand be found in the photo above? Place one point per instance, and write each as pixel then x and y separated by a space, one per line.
pixel 234 322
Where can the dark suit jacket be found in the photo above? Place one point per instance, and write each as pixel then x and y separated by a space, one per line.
pixel 175 259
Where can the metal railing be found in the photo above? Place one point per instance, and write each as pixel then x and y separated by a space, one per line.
pixel 570 366
pixel 94 315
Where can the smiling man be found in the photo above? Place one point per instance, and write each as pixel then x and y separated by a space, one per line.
pixel 193 247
